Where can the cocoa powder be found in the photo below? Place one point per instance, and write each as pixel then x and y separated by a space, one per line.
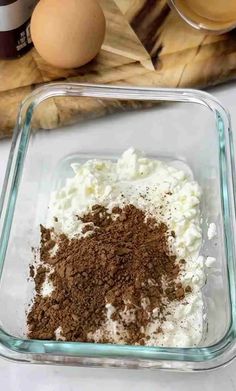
pixel 39 278
pixel 122 260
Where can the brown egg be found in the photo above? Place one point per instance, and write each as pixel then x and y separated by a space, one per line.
pixel 68 33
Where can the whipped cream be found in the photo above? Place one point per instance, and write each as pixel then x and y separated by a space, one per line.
pixel 162 191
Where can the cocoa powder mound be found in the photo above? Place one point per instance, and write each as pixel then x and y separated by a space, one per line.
pixel 120 260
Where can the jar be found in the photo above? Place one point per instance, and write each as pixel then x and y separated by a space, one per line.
pixel 15 39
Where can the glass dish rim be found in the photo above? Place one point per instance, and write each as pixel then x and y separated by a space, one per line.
pixel 17 348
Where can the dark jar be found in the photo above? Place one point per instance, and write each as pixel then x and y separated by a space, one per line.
pixel 15 39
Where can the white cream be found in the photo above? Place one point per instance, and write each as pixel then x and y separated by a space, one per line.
pixel 127 181
pixel 211 232
pixel 162 191
pixel 47 286
pixel 210 262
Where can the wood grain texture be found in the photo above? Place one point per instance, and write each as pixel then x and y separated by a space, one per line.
pixel 120 37
pixel 146 44
pixel 183 56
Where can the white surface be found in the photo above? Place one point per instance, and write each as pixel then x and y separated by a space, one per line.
pixel 24 377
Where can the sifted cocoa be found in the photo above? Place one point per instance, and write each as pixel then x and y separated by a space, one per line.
pixel 122 261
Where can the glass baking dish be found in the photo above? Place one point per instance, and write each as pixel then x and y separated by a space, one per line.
pixel 186 126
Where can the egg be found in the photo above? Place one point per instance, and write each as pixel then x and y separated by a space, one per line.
pixel 68 33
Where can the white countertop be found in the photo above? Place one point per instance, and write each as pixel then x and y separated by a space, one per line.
pixel 25 377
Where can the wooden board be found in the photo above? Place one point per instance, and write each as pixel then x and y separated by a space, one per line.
pixel 146 44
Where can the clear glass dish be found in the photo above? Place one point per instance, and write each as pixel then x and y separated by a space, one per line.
pixel 187 126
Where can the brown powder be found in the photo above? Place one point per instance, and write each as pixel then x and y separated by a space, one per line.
pixel 122 260
pixel 40 278
pixel 31 271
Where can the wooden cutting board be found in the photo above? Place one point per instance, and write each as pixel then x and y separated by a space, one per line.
pixel 146 44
